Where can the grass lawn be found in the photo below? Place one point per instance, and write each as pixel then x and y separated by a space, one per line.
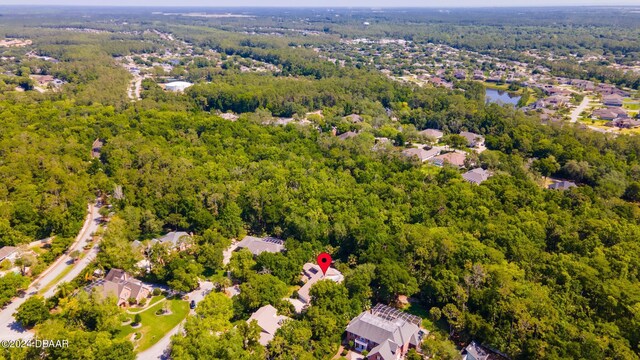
pixel 495 86
pixel 153 326
pixel 631 106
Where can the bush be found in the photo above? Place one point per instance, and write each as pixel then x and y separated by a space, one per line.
pixel 5 264
pixel 156 291
pixel 132 301
pixel 142 302
pixel 137 319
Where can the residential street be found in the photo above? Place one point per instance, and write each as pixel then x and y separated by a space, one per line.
pixel 578 110
pixel 9 329
pixel 160 350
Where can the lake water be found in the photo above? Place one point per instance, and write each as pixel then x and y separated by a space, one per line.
pixel 501 97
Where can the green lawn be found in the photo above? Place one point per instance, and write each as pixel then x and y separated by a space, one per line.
pixel 632 106
pixel 154 327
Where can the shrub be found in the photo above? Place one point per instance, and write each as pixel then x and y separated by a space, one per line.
pixel 156 292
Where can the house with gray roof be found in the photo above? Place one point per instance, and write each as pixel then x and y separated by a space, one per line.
pixel 421 154
pixel 311 274
pixel 259 245
pixel 476 176
pixel 475 351
pixel 386 333
pixel 8 252
pixel 432 133
pixel 176 240
pixel 473 140
pixel 269 322
pixel 612 100
pixel 122 286
pixel 347 135
pixel 562 185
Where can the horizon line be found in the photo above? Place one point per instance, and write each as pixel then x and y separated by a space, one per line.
pixel 321 7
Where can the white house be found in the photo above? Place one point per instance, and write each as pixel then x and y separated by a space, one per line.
pixel 177 86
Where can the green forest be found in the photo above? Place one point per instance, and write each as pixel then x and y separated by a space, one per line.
pixel 531 272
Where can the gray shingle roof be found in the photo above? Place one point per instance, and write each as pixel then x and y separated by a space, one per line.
pixel 269 321
pixel 378 328
pixel 259 245
pixel 476 176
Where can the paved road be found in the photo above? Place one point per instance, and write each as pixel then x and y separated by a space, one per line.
pixel 579 109
pixel 9 328
pixel 161 349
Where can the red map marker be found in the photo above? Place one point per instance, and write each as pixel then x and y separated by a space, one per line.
pixel 324 261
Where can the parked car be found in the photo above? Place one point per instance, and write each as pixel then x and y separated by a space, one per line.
pixel 192 304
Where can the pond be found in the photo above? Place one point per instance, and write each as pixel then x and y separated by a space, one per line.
pixel 501 97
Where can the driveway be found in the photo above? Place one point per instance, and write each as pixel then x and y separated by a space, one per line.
pixel 9 328
pixel 162 348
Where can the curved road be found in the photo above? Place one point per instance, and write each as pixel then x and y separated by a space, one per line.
pixel 9 328
pixel 579 109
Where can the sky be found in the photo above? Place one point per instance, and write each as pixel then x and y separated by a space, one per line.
pixel 326 3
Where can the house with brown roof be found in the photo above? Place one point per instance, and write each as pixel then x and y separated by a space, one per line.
pixel 385 333
pixel 453 158
pixel 123 287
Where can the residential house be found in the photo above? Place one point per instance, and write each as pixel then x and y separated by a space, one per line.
pixel 475 351
pixel 177 86
pixel 606 89
pixel 96 148
pixel 229 116
pixel 43 80
pixel 175 240
pixel 9 253
pixel 460 74
pixel 562 185
pixel 624 123
pixel 476 176
pixel 311 274
pixel 123 287
pixel 421 154
pixel 432 133
pixel 557 100
pixel 610 113
pixel 347 135
pixel 385 333
pixel 269 322
pixel 258 245
pixel 473 140
pixel 453 158
pixel 354 118
pixel 478 75
pixel 612 100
